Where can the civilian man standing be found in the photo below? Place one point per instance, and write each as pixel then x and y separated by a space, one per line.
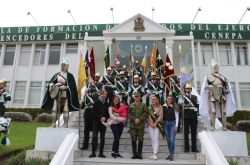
pixel 101 114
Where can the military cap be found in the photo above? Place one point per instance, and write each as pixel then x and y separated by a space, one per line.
pixel 124 66
pixel 109 68
pixel 188 86
pixel 153 74
pixel 2 81
pixel 121 72
pixel 136 76
pixel 118 62
pixel 137 94
pixel 97 74
pixel 136 62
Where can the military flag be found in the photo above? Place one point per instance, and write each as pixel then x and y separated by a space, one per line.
pixel 184 79
pixel 117 58
pixel 168 72
pixel 81 76
pixel 159 62
pixel 106 58
pixel 152 60
pixel 144 63
pixel 91 64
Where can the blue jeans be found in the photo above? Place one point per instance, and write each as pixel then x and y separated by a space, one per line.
pixel 170 135
pixel 117 130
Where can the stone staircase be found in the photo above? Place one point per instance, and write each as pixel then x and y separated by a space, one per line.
pixel 125 148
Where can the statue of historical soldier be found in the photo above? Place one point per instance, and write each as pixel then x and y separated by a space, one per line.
pixel 217 89
pixel 61 94
pixel 4 96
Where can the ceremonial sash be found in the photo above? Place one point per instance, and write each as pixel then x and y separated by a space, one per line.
pixel 154 117
pixel 108 82
pixel 136 89
pixel 117 74
pixel 123 88
pixel 190 102
pixel 95 87
pixel 136 70
pixel 152 86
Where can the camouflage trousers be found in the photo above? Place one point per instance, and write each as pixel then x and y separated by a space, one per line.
pixel 137 133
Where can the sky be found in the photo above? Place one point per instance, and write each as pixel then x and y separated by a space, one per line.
pixel 13 13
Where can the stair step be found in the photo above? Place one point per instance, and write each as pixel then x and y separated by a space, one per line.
pixel 128 161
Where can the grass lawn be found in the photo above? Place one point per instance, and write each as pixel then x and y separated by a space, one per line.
pixel 21 135
pixel 248 143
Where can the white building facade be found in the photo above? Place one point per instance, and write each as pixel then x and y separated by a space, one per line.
pixel 30 56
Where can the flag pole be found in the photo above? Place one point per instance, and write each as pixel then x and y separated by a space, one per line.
pixel 146 77
pixel 170 87
pixel 131 62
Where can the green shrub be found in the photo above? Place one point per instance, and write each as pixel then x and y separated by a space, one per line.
pixel 19 159
pixel 44 117
pixel 229 126
pixel 243 125
pixel 239 115
pixel 18 116
pixel 233 162
pixel 34 112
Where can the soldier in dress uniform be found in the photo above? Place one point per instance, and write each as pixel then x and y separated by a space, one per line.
pixel 137 114
pixel 116 70
pixel 135 87
pixel 126 73
pixel 88 99
pixel 98 85
pixel 191 107
pixel 122 87
pixel 108 82
pixel 137 70
pixel 4 97
pixel 153 87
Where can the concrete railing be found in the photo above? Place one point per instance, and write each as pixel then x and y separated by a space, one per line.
pixel 209 147
pixel 71 118
pixel 65 153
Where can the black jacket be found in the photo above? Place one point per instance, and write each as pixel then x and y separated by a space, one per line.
pixel 100 110
pixel 190 113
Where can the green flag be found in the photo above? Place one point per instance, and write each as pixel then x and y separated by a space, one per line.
pixel 106 58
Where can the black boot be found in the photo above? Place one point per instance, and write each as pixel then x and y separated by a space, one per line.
pixel 134 150
pixel 140 145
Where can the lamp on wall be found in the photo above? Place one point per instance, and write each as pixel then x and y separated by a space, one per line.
pixel 196 14
pixel 153 9
pixel 71 16
pixel 248 9
pixel 113 40
pixel 29 13
pixel 163 40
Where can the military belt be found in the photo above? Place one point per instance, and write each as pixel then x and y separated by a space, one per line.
pixel 89 107
pixel 191 108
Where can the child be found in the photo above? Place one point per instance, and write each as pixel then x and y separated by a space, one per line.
pixel 122 111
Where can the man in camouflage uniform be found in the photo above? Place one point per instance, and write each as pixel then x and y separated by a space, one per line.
pixel 137 114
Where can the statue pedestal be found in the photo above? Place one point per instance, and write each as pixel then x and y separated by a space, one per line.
pixel 231 143
pixel 50 139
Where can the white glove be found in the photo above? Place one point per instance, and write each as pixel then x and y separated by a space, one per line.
pixel 140 78
pixel 170 93
pixel 63 87
pixel 148 92
pixel 51 84
pixel 133 96
pixel 126 93
pixel 116 92
pixel 58 84
pixel 181 101
pixel 160 92
pixel 199 118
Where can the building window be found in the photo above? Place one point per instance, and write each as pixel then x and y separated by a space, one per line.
pixel 35 92
pixel 233 90
pixel 19 94
pixel 54 54
pixel 39 54
pixel 7 86
pixel 225 54
pixel 207 53
pixel 25 55
pixel 245 95
pixel 9 55
pixel 241 55
pixel 71 48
